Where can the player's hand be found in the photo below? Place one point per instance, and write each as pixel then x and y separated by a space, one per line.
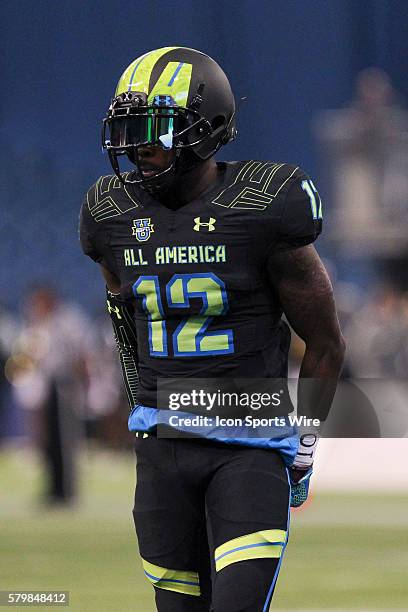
pixel 299 480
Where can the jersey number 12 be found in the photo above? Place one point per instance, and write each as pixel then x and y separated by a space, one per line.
pixel 191 337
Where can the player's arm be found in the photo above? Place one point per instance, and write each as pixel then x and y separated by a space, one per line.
pixel 111 280
pixel 122 316
pixel 306 296
pixel 93 241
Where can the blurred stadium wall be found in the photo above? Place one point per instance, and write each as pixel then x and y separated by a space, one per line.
pixel 59 65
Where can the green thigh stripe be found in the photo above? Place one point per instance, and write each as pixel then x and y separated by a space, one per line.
pixel 261 544
pixel 172 580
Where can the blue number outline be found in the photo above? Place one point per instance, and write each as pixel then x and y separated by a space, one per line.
pixel 186 304
pixel 155 279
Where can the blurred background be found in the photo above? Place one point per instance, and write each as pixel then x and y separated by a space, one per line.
pixel 326 88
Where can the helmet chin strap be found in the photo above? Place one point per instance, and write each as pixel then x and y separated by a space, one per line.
pixel 159 184
pixel 152 184
pixel 184 162
pixel 164 179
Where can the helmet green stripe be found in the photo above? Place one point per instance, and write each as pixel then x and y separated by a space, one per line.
pixel 175 86
pixel 137 76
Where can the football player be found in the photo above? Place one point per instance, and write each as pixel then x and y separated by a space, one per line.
pixel 201 259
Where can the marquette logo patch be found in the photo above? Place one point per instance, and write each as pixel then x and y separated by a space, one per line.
pixel 209 225
pixel 142 229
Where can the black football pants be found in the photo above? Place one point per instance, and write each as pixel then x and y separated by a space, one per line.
pixel 212 523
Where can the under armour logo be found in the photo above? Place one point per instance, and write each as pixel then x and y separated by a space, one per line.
pixel 210 224
pixel 163 101
pixel 115 309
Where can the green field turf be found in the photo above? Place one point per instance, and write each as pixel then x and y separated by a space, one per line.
pixel 345 552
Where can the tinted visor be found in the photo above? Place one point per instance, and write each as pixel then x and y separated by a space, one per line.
pixel 153 126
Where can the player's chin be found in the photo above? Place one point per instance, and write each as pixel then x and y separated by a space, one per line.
pixel 158 184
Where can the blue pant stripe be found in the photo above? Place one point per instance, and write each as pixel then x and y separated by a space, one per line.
pixel 229 552
pixel 170 580
pixel 275 577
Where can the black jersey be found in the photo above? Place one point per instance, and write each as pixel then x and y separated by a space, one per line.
pixel 198 275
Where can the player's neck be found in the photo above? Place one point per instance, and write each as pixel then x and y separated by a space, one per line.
pixel 192 185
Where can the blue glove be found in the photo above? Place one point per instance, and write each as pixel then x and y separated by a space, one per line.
pixel 299 486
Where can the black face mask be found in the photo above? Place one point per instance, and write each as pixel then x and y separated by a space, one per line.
pixel 132 123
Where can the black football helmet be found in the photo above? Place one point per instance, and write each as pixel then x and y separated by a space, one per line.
pixel 176 98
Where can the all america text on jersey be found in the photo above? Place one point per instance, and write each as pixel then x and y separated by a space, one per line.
pixel 184 254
